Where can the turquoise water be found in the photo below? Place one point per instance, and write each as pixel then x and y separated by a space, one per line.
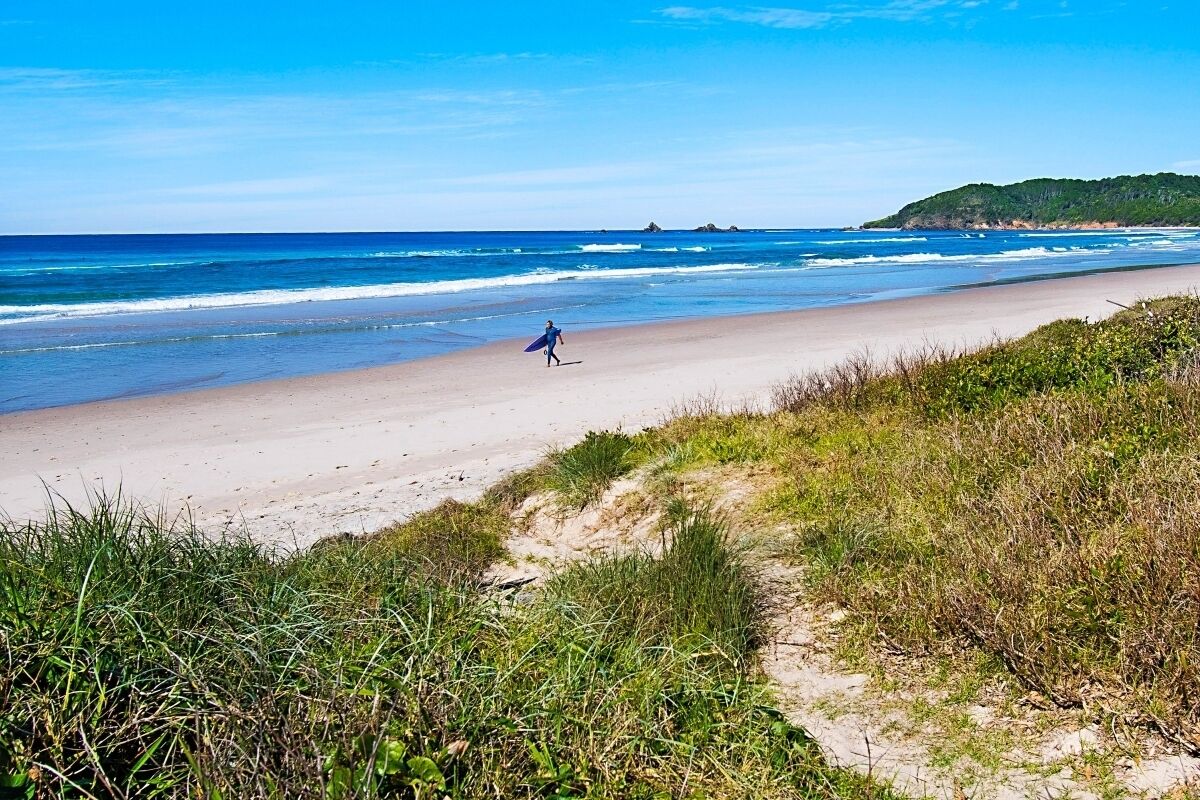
pixel 87 318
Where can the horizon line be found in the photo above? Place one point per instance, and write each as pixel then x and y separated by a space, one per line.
pixel 440 230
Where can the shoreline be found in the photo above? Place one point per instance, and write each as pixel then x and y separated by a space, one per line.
pixel 295 459
pixel 595 325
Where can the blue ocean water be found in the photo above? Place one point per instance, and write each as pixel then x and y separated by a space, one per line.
pixel 87 318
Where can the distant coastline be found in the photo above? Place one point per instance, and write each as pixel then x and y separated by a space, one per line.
pixel 1166 200
pixel 1024 225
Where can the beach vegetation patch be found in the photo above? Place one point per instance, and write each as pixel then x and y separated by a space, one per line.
pixel 511 491
pixel 1034 501
pixel 1156 339
pixel 453 541
pixel 582 473
pixel 141 658
pixel 699 591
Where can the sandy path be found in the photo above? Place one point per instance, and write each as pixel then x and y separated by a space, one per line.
pixel 302 458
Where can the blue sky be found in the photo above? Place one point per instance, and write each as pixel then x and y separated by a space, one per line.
pixel 220 116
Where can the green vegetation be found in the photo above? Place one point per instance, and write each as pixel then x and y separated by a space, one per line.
pixel 1038 501
pixel 581 474
pixel 140 659
pixel 1165 199
pixel 452 542
pixel 699 591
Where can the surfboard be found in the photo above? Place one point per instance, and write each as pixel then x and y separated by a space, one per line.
pixel 536 344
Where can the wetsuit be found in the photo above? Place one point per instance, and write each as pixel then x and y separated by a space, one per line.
pixel 551 340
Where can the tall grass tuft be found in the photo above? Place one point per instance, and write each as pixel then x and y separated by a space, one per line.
pixel 453 541
pixel 582 473
pixel 140 657
pixel 699 592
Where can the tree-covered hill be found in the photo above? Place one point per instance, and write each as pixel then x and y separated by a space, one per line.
pixel 1165 199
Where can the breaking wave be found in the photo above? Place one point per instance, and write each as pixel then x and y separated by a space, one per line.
pixel 929 258
pixel 267 297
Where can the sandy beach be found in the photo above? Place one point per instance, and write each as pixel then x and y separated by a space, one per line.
pixel 294 460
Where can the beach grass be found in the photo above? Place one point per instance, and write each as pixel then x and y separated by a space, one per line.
pixel 141 659
pixel 1035 501
pixel 700 591
pixel 582 473
pixel 454 542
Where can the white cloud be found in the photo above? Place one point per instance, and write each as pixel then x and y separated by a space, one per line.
pixel 1193 164
pixel 769 17
pixel 774 177
pixel 799 18
pixel 43 79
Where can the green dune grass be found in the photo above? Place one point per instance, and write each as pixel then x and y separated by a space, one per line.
pixel 1037 501
pixel 140 659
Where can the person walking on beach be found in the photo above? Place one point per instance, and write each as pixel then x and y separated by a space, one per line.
pixel 553 337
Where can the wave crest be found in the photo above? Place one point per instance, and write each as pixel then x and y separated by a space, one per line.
pixel 609 248
pixel 267 297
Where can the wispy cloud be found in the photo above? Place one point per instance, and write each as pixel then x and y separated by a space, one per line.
pixel 1187 165
pixel 251 188
pixel 493 59
pixel 66 110
pixel 43 79
pixel 768 17
pixel 768 176
pixel 556 176
pixel 800 18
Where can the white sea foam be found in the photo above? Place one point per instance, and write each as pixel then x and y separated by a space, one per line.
pixel 696 249
pixel 448 252
pixel 871 241
pixel 929 258
pixel 609 248
pixel 269 297
pixel 1098 232
pixel 664 249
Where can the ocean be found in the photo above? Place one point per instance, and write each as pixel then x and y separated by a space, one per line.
pixel 86 318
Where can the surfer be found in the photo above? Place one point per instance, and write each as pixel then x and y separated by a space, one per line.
pixel 553 337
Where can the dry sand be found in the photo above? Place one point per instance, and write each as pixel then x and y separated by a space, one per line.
pixel 294 460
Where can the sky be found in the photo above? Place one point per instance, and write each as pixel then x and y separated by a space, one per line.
pixel 139 116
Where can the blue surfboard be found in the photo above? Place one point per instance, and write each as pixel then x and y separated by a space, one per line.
pixel 536 344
